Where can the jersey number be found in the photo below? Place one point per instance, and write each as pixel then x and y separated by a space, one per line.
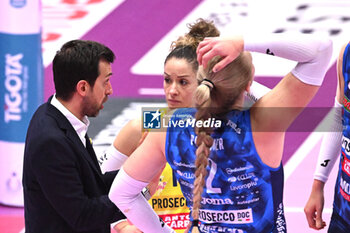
pixel 212 173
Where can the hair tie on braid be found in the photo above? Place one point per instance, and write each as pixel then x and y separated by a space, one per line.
pixel 195 226
pixel 195 222
pixel 208 83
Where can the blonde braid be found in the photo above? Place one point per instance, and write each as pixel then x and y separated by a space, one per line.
pixel 204 142
pixel 216 94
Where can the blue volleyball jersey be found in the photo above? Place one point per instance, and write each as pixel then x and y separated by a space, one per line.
pixel 342 188
pixel 241 193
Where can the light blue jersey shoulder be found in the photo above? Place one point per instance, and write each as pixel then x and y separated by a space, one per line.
pixel 241 194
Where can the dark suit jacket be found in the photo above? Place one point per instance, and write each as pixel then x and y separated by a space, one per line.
pixel 64 190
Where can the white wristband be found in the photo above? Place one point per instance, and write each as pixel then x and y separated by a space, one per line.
pixel 126 194
pixel 313 55
pixel 331 144
pixel 112 160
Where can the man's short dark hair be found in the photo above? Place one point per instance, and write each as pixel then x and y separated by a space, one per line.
pixel 78 60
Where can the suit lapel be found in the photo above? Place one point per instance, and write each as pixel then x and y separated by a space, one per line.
pixel 92 154
pixel 72 135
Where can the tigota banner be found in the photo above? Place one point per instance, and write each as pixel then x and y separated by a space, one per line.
pixel 21 88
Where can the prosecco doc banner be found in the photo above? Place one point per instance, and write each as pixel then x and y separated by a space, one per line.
pixel 21 88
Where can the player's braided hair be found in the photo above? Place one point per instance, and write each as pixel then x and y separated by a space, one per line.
pixel 215 96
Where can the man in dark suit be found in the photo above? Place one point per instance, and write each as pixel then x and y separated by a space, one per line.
pixel 64 189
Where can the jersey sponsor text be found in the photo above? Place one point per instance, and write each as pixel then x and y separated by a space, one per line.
pixel 231 216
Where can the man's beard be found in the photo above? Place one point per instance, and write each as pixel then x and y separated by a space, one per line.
pixel 90 109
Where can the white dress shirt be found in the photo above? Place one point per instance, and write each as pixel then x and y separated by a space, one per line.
pixel 80 127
